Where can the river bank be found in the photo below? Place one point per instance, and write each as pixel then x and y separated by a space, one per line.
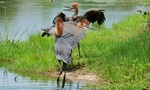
pixel 118 56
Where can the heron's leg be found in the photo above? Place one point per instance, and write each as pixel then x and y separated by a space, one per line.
pixel 64 69
pixel 78 85
pixel 59 73
pixel 79 49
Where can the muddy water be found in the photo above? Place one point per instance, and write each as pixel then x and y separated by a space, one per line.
pixel 12 81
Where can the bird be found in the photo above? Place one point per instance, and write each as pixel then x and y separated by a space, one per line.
pixel 67 35
pixel 143 12
pixel 62 49
pixel 49 30
pixel 91 15
pixel 65 42
pixel 74 7
pixel 140 11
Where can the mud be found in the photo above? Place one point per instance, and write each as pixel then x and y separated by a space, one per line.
pixel 79 76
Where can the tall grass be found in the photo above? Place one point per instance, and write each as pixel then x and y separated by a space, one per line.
pixel 120 55
pixel 32 55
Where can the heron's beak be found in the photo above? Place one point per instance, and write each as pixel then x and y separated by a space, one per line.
pixel 69 9
pixel 45 33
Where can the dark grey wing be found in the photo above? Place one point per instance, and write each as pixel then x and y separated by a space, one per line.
pixel 72 28
pixel 76 39
pixel 72 39
pixel 68 41
pixel 73 34
pixel 100 17
pixel 63 50
pixel 94 15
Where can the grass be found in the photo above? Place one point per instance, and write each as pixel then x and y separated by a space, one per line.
pixel 120 55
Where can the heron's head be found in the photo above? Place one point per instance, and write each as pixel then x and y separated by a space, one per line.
pixel 59 27
pixel 62 15
pixel 45 32
pixel 73 7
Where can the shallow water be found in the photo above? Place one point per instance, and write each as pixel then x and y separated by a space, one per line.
pixel 12 81
pixel 22 17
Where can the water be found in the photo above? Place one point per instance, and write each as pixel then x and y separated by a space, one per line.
pixel 22 17
pixel 12 81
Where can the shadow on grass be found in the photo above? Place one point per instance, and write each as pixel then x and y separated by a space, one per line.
pixel 73 67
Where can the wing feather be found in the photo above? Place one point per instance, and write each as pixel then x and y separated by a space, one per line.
pixel 94 15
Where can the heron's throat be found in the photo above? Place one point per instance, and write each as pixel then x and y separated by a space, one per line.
pixel 59 27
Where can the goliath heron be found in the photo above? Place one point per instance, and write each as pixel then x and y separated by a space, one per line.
pixel 92 15
pixel 62 48
pixel 67 36
pixel 66 40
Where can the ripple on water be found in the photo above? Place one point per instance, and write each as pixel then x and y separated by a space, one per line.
pixel 12 81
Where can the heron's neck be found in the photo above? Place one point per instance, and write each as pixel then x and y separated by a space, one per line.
pixel 75 14
pixel 59 29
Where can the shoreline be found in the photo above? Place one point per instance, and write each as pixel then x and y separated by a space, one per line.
pixel 79 76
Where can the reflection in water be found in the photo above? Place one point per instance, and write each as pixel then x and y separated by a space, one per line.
pixel 11 81
pixel 29 16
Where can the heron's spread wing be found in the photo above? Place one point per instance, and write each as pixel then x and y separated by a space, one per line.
pixel 100 17
pixel 69 27
pixel 94 15
pixel 72 39
pixel 73 34
pixel 68 41
pixel 72 28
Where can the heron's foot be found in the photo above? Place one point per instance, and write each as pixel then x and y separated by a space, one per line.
pixel 58 82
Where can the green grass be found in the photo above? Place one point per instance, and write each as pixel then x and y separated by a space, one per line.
pixel 120 55
pixel 35 55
